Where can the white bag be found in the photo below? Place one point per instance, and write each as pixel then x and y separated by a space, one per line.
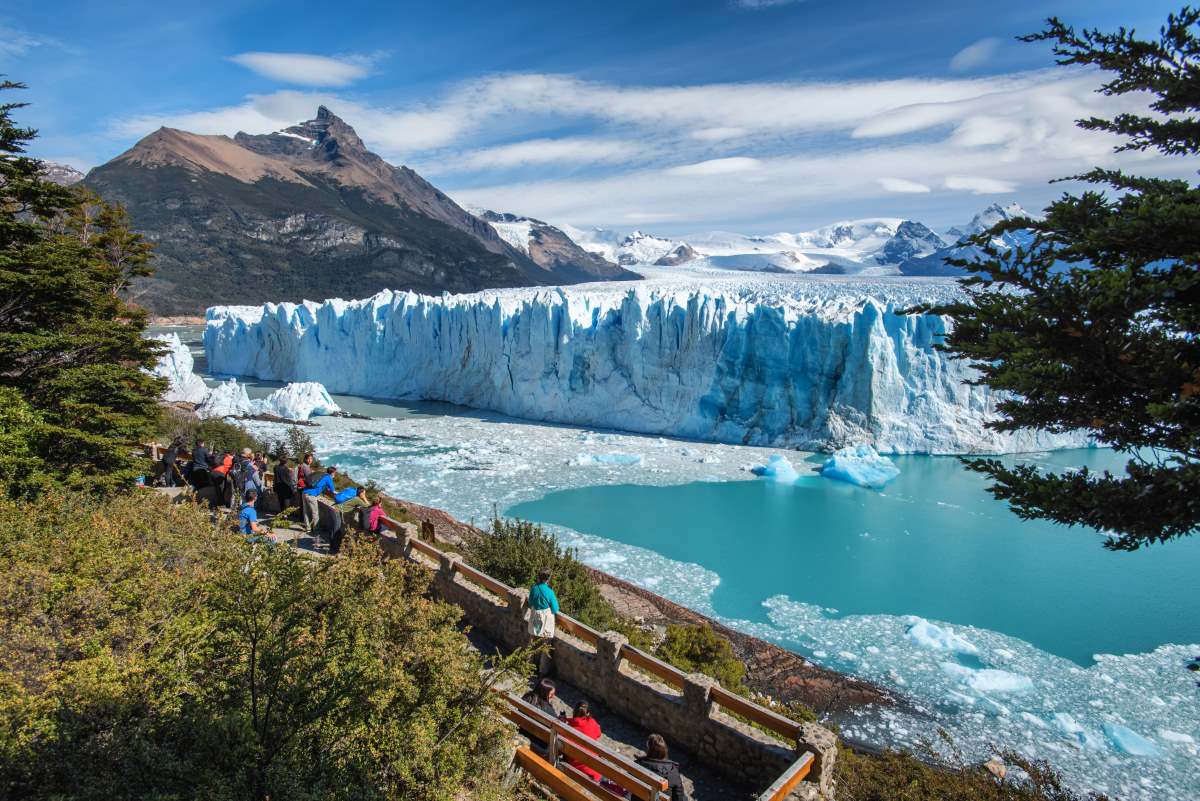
pixel 541 623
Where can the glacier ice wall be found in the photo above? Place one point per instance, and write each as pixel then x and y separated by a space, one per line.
pixel 815 368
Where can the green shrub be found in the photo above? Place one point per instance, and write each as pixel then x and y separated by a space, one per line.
pixel 699 649
pixel 514 550
pixel 902 776
pixel 147 653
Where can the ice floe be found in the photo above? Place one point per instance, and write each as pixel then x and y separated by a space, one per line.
pixel 861 465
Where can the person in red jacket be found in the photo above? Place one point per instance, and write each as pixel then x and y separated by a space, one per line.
pixel 582 720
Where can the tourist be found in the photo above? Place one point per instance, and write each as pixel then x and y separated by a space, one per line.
pixel 375 515
pixel 285 483
pixel 251 478
pixel 199 460
pixel 543 606
pixel 347 500
pixel 248 519
pixel 581 719
pixel 311 496
pixel 226 463
pixel 168 462
pixel 306 478
pixel 542 696
pixel 656 759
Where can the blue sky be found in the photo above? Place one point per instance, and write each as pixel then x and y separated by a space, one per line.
pixel 674 117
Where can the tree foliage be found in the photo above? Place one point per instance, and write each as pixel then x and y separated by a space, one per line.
pixel 69 345
pixel 514 550
pixel 699 649
pixel 149 655
pixel 1095 325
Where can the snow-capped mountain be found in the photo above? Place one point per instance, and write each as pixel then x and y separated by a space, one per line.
pixel 61 174
pixel 911 240
pixel 549 247
pixel 986 219
pixel 935 263
pixel 635 248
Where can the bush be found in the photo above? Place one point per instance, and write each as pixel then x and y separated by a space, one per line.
pixel 699 649
pixel 901 776
pixel 514 550
pixel 148 654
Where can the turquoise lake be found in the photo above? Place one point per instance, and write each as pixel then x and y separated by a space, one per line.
pixel 932 544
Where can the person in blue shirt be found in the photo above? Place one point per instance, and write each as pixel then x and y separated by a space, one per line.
pixel 543 606
pixel 310 496
pixel 248 519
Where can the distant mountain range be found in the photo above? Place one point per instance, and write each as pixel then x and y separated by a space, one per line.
pixel 310 212
pixel 878 246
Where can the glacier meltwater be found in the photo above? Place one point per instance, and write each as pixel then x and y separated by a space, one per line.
pixel 801 363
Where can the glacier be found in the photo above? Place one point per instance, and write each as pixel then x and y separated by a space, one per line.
pixel 809 364
pixel 177 366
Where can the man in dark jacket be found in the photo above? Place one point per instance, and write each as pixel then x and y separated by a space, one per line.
pixel 285 483
pixel 656 760
pixel 170 455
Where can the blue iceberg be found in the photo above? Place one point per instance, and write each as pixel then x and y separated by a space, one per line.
pixel 861 465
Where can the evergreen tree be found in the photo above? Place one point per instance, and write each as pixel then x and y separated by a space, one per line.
pixel 1095 326
pixel 69 344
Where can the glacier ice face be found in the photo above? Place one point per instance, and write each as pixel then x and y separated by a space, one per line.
pixel 782 363
pixel 176 365
pixel 298 401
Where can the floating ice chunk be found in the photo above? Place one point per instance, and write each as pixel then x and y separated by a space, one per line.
pixel 227 399
pixel 298 401
pixel 177 365
pixel 861 465
pixel 595 459
pixel 988 680
pixel 1029 717
pixel 1127 741
pixel 1176 737
pixel 777 469
pixel 1076 731
pixel 937 638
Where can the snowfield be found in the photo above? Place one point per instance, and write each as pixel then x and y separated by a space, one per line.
pixel 811 362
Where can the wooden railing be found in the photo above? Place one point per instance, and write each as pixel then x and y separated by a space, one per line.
pixel 655 667
pixel 785 727
pixel 790 779
pixel 561 740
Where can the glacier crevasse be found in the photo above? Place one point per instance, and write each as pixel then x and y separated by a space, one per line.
pixel 818 368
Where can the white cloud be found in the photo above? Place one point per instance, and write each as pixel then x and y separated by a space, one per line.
pixel 573 150
pixel 979 185
pixel 15 42
pixel 718 134
pixel 305 69
pixel 903 185
pixel 975 54
pixel 717 166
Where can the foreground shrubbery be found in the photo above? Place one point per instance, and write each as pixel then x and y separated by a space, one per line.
pixel 895 776
pixel 148 654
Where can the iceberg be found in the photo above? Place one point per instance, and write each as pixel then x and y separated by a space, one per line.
pixel 778 469
pixel 227 399
pixel 1128 741
pixel 786 362
pixel 177 366
pixel 861 465
pixel 594 459
pixel 298 401
pixel 988 680
pixel 937 638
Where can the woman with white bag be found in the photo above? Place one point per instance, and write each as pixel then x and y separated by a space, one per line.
pixel 543 606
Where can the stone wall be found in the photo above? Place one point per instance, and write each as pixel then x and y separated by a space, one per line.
pixel 686 716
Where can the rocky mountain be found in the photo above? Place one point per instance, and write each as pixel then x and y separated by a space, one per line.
pixel 551 248
pixel 61 174
pixel 680 254
pixel 936 264
pixel 911 240
pixel 306 212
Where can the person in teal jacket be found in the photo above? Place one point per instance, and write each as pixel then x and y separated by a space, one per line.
pixel 543 606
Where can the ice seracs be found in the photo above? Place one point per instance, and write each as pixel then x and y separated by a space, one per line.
pixel 176 365
pixel 227 399
pixel 811 365
pixel 298 401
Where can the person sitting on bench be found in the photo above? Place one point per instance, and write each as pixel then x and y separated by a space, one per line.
pixel 248 519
